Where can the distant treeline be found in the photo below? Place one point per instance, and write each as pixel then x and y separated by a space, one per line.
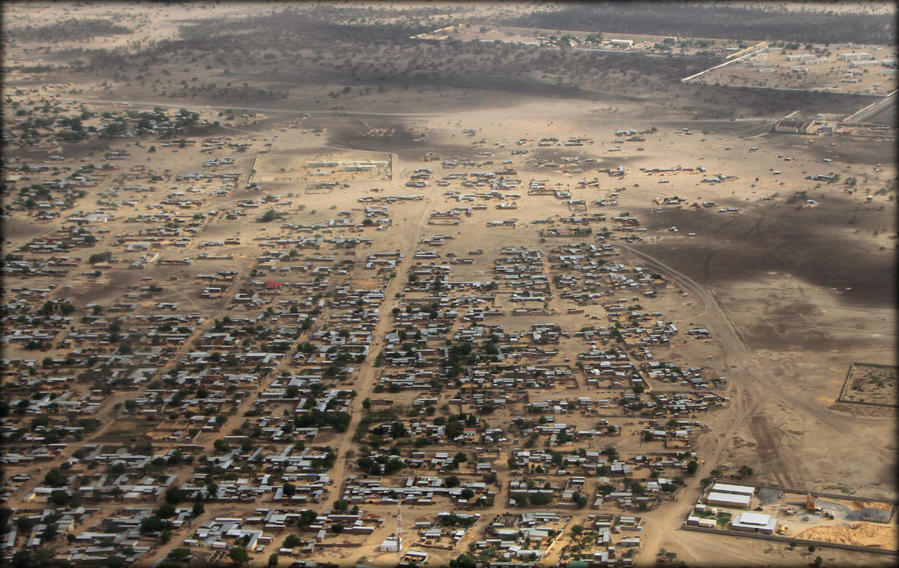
pixel 29 68
pixel 705 20
pixel 68 30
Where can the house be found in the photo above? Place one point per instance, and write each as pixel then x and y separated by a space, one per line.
pixel 754 522
pixel 728 500
pixel 391 544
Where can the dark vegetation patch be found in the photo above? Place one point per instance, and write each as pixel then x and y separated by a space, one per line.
pixel 702 20
pixel 885 116
pixel 846 150
pixel 806 243
pixel 871 384
pixel 68 30
pixel 376 134
pixel 275 56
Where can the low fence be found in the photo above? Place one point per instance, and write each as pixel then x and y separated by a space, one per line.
pixel 788 540
pixel 829 495
pixel 842 398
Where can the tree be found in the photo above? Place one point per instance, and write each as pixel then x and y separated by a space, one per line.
pixel 178 554
pixel 307 517
pixel 745 471
pixel 818 561
pixel 56 478
pixel 273 560
pixel 540 498
pixel 463 561
pixel 5 516
pixel 59 497
pixel 100 257
pixel 291 541
pixel 692 467
pixel 24 524
pixel 49 532
pixel 239 555
pixel 21 559
pixel 198 509
pixel 174 495
pixel 165 511
pixel 153 524
pixel 467 493
pixel 268 216
pixel 579 500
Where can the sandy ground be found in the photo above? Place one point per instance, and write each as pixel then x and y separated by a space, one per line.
pixel 792 294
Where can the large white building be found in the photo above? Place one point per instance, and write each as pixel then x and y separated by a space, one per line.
pixel 754 522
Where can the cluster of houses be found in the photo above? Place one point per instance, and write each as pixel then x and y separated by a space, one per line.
pixel 234 373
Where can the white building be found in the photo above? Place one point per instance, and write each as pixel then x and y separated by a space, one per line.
pixel 391 544
pixel 754 522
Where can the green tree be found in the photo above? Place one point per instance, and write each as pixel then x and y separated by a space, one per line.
pixel 59 497
pixel 307 517
pixel 166 511
pixel 273 560
pixel 463 561
pixel 239 555
pixel 268 216
pixel 24 524
pixel 692 467
pixel 56 478
pixel 174 495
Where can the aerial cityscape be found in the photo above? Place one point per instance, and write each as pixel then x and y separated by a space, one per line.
pixel 471 284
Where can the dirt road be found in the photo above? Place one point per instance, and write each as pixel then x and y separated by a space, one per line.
pixel 365 380
pixel 751 382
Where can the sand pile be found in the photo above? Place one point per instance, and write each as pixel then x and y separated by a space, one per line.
pixel 865 534
pixel 859 505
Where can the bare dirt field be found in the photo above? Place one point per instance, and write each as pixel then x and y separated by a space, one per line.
pixel 870 383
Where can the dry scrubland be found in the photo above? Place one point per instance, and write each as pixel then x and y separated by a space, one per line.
pixel 400 248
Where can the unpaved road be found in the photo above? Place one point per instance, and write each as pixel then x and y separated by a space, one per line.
pixel 751 384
